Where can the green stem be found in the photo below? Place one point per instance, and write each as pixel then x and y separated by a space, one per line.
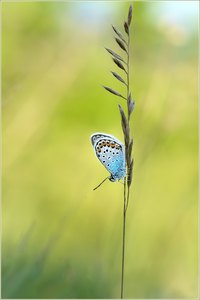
pixel 128 193
pixel 123 240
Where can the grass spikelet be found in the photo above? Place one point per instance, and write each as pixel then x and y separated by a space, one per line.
pixel 118 77
pixel 113 92
pixel 121 44
pixel 119 34
pixel 115 54
pixel 130 12
pixel 119 64
pixel 126 28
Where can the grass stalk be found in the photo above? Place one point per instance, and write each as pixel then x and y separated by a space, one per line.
pixel 124 44
pixel 123 240
pixel 126 185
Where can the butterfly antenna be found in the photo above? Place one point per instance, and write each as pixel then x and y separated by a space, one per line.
pixel 100 184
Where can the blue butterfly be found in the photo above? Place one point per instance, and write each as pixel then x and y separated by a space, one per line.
pixel 111 153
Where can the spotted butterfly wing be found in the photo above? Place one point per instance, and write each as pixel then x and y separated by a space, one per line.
pixel 110 152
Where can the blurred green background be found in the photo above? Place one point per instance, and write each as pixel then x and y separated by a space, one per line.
pixel 61 239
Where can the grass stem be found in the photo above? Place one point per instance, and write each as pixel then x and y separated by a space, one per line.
pixel 123 239
pixel 126 179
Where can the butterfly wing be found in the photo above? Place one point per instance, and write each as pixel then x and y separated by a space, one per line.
pixel 98 135
pixel 110 152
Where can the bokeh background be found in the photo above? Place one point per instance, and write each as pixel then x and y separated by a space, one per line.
pixel 60 239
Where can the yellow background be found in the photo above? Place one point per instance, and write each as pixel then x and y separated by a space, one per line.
pixel 60 238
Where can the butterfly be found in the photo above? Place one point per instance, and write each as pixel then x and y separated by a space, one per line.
pixel 111 153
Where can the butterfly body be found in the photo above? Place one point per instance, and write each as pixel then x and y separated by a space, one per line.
pixel 111 153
